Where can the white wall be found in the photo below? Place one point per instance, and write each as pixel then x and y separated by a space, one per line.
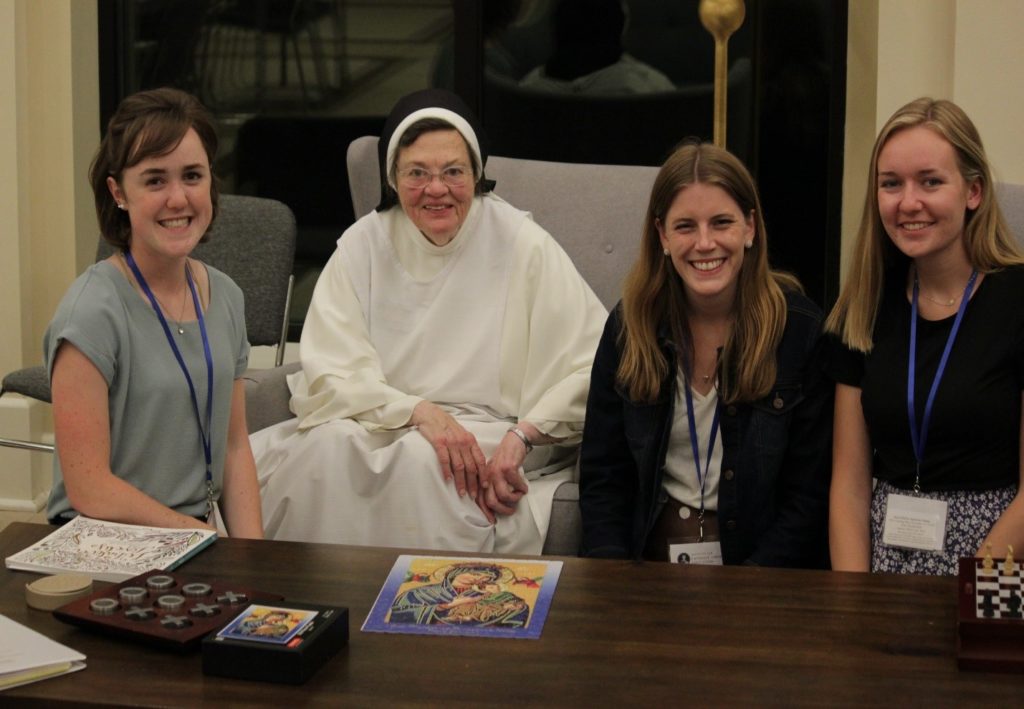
pixel 49 128
pixel 964 50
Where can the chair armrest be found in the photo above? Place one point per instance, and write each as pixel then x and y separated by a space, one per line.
pixel 267 395
pixel 565 532
pixel 33 382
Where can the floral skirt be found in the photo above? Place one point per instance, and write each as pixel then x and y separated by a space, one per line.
pixel 970 516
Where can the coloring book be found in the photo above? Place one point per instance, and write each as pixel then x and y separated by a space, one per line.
pixel 109 551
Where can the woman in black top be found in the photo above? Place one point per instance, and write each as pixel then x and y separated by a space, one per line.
pixel 931 366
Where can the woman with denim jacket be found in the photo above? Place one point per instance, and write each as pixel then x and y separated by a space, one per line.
pixel 708 422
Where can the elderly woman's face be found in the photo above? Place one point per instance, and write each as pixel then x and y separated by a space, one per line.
pixel 436 208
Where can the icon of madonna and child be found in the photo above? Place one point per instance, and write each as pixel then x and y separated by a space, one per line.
pixel 464 594
pixel 449 596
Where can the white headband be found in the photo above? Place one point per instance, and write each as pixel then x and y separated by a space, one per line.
pixel 460 124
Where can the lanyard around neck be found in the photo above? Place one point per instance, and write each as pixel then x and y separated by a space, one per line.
pixel 919 433
pixel 702 474
pixel 204 432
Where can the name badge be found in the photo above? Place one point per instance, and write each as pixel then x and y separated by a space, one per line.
pixel 915 523
pixel 706 553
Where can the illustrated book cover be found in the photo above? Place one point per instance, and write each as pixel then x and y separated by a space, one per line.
pixel 109 551
pixel 507 598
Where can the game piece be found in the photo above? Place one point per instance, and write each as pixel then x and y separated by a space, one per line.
pixel 132 595
pixel 162 609
pixel 988 557
pixel 1008 561
pixel 987 607
pixel 103 606
pixel 1013 603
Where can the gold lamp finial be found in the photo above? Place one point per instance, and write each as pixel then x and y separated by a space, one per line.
pixel 721 18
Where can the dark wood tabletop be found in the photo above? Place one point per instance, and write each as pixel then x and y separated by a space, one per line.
pixel 618 633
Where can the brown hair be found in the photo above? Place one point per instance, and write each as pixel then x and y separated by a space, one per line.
pixel 146 124
pixel 987 239
pixel 653 297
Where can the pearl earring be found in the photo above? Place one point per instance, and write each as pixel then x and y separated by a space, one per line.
pixel 665 251
pixel 120 205
pixel 748 245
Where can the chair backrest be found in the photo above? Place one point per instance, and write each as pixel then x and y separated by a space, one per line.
pixel 1011 201
pixel 252 240
pixel 595 212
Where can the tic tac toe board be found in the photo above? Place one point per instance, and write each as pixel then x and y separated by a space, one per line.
pixel 990 620
pixel 162 608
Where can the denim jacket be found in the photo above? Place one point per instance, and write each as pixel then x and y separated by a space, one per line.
pixel 776 456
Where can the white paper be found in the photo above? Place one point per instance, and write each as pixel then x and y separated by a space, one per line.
pixel 705 553
pixel 23 650
pixel 915 523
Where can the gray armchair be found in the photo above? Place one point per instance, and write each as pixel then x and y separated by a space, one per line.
pixel 253 241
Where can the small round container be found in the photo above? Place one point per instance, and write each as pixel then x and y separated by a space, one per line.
pixel 52 592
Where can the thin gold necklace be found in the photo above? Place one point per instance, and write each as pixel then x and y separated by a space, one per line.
pixel 184 297
pixel 944 303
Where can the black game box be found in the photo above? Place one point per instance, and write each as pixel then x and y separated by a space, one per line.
pixel 283 643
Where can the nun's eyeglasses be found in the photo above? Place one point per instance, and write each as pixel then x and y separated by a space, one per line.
pixel 416 177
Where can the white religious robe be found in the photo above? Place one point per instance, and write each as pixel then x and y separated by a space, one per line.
pixel 497 326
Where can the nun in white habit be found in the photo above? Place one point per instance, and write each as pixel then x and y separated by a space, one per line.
pixel 445 362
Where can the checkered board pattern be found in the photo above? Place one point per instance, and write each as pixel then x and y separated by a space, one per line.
pixel 1005 590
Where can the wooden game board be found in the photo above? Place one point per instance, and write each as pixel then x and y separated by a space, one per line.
pixel 990 623
pixel 162 608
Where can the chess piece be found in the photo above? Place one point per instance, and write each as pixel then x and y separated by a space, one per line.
pixel 988 608
pixel 1013 604
pixel 1008 561
pixel 987 564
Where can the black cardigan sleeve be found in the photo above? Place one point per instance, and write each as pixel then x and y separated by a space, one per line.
pixel 608 474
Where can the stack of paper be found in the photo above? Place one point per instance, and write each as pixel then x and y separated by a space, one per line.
pixel 27 656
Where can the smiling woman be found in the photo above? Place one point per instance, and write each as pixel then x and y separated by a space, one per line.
pixel 707 338
pixel 929 358
pixel 445 354
pixel 120 373
pixel 432 185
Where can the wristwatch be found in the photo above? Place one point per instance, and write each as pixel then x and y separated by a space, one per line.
pixel 522 437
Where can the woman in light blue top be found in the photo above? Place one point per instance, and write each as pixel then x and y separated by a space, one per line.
pixel 145 350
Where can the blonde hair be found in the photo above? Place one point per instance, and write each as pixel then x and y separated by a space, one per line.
pixel 653 296
pixel 987 239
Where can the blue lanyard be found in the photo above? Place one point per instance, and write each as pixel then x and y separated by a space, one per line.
pixel 919 434
pixel 204 433
pixel 702 476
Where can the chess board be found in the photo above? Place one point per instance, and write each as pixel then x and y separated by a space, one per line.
pixel 162 608
pixel 990 621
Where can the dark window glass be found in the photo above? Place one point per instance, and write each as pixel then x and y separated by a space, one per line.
pixel 292 82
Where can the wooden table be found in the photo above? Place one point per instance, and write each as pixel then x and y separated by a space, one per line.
pixel 618 634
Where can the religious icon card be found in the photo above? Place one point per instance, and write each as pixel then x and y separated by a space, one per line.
pixel 506 598
pixel 270 624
